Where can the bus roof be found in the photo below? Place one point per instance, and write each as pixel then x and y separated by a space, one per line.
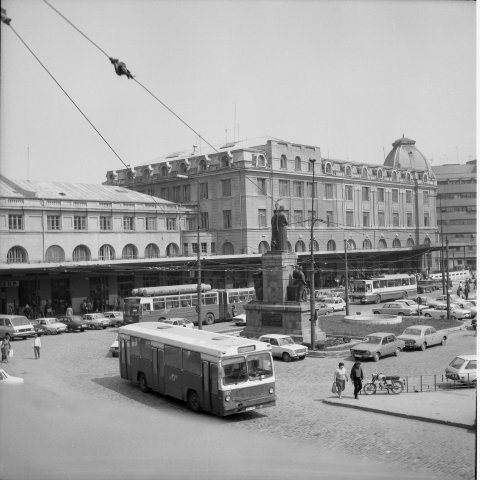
pixel 385 277
pixel 215 344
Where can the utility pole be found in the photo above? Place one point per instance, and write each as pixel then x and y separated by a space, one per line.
pixel 448 284
pixel 347 306
pixel 199 264
pixel 313 312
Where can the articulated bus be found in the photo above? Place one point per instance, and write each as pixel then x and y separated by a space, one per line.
pixel 216 373
pixel 159 303
pixel 384 287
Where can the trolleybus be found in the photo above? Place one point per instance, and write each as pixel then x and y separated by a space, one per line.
pixel 384 287
pixel 159 303
pixel 216 373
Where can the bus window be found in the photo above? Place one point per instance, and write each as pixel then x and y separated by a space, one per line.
pixel 145 307
pixel 134 348
pixel 368 287
pixel 145 349
pixel 159 304
pixel 173 356
pixel 376 284
pixel 383 284
pixel 171 302
pixel 186 300
pixel 234 371
pixel 413 281
pixel 210 299
pixel 192 362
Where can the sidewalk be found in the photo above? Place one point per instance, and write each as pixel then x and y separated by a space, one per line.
pixel 453 407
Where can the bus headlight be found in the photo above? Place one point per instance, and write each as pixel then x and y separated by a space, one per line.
pixel 271 390
pixel 227 398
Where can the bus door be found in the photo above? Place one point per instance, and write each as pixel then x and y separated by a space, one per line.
pixel 124 348
pixel 158 383
pixel 223 304
pixel 173 372
pixel 211 394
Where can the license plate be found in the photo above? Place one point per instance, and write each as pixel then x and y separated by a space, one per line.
pixel 249 408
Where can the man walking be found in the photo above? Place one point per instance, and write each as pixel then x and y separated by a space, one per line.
pixel 356 375
pixel 36 346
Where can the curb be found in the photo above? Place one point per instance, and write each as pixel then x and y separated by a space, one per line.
pixel 402 415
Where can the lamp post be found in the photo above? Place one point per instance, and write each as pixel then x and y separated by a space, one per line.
pixel 448 283
pixel 313 317
pixel 347 306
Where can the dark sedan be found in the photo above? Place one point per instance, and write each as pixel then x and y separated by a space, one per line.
pixel 74 323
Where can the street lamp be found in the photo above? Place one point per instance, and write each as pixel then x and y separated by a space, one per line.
pixel 313 318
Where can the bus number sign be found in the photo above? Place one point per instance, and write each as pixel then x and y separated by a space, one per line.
pixel 246 349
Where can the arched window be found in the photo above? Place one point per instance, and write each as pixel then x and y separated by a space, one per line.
pixel 225 162
pixel 129 251
pixel 164 171
pixel 396 243
pixel 427 242
pixel 227 249
pixel 263 247
pixel 331 246
pixel 172 250
pixel 81 254
pixel 54 253
pixel 300 246
pixel 106 252
pixel 410 242
pixel 351 245
pixel 146 174
pixel 183 168
pixel 379 173
pixel 425 178
pixel 394 176
pixel 409 177
pixel 283 161
pixel 202 166
pixel 364 172
pixel 17 255
pixel 152 251
pixel 316 246
pixel 367 244
pixel 328 167
pixel 261 162
pixel 382 243
pixel 348 171
pixel 298 163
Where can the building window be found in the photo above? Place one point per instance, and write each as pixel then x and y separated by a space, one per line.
pixel 186 193
pixel 409 220
pixel 226 188
pixel 262 218
pixel 408 196
pixel 329 218
pixel 348 171
pixel 395 195
pixel 79 222
pixel 129 251
pixel 365 194
pixel 106 252
pixel 151 224
pixel 310 166
pixel 53 222
pixel 55 253
pixel 396 219
pixel 227 219
pixel 298 189
pixel 425 198
pixel 128 224
pixel 426 219
pixel 171 223
pixel 81 254
pixel 331 246
pixel 17 255
pixel 300 246
pixel 381 194
pixel 284 189
pixel 164 193
pixel 212 248
pixel 328 190
pixel 203 246
pixel 262 186
pixel 396 243
pixel 381 219
pixel 367 244
pixel 15 222
pixel 311 217
pixel 298 163
pixel 185 249
pixel 105 223
pixel 297 218
pixel 311 193
pixel 366 219
pixel 203 190
pixel 364 172
pixel 283 161
pixel 191 223
pixel 349 218
pixel 152 251
pixel 195 247
pixel 204 220
pixel 348 192
pixel 176 194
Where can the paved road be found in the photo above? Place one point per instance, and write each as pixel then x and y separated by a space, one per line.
pixel 80 361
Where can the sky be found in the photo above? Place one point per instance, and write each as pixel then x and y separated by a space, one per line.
pixel 348 76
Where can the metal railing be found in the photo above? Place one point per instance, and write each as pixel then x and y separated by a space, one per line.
pixel 432 383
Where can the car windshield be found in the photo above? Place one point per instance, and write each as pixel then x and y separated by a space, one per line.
pixel 410 302
pixel 372 339
pixel 19 321
pixel 285 341
pixel 412 331
pixel 457 362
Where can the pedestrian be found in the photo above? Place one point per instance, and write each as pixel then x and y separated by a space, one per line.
pixel 5 347
pixel 356 375
pixel 340 377
pixel 36 346
pixel 69 312
pixel 466 291
pixel 459 290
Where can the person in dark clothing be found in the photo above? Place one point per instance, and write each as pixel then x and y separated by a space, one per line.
pixel 356 375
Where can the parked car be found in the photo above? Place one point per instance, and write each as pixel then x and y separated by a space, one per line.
pixel 422 336
pixel 178 322
pixel 114 348
pixel 52 325
pixel 338 304
pixel 96 320
pixel 17 326
pixel 441 312
pixel 116 318
pixel 413 303
pixel 75 323
pixel 7 379
pixel 463 369
pixel 240 320
pixel 468 305
pixel 377 345
pixel 397 308
pixel 284 347
pixel 38 327
pixel 323 308
pixel 442 300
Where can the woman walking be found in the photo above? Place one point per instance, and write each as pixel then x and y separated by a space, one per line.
pixel 356 375
pixel 340 377
pixel 5 347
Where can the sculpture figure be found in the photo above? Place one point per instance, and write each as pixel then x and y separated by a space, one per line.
pixel 279 230
pixel 300 284
pixel 258 284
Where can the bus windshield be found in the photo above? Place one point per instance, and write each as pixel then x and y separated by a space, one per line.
pixel 240 369
pixel 359 286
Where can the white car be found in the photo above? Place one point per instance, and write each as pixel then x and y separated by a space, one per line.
pixel 422 336
pixel 284 347
pixel 412 303
pixel 178 322
pixel 52 325
pixel 96 320
pixel 468 305
pixel 338 304
pixel 7 379
pixel 463 369
pixel 240 320
pixel 114 348
pixel 441 312
pixel 116 318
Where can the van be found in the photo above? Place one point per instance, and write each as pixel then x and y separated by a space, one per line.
pixel 17 326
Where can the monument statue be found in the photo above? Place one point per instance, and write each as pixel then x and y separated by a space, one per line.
pixel 279 230
pixel 297 290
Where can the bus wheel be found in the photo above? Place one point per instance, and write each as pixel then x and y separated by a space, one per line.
pixel 193 401
pixel 143 383
pixel 378 299
pixel 210 319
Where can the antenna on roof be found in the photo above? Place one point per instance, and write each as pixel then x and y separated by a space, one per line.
pixel 234 121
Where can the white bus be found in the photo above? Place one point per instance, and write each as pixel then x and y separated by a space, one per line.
pixel 455 276
pixel 216 373
pixel 383 287
pixel 159 303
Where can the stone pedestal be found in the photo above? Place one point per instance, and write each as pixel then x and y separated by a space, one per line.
pixel 275 314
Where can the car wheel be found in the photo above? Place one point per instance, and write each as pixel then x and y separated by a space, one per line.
pixel 397 352
pixel 376 312
pixel 423 347
pixel 82 329
pixel 376 357
pixel 210 319
pixel 193 401
pixel 378 299
pixel 369 389
pixel 444 341
pixel 427 315
pixel 286 357
pixel 142 380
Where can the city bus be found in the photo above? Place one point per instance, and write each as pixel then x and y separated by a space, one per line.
pixel 383 287
pixel 216 373
pixel 159 303
pixel 455 276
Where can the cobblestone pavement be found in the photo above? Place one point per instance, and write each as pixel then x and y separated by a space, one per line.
pixel 81 361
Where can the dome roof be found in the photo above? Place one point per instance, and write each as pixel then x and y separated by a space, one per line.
pixel 405 154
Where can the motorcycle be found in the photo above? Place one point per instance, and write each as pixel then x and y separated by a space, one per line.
pixel 381 382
